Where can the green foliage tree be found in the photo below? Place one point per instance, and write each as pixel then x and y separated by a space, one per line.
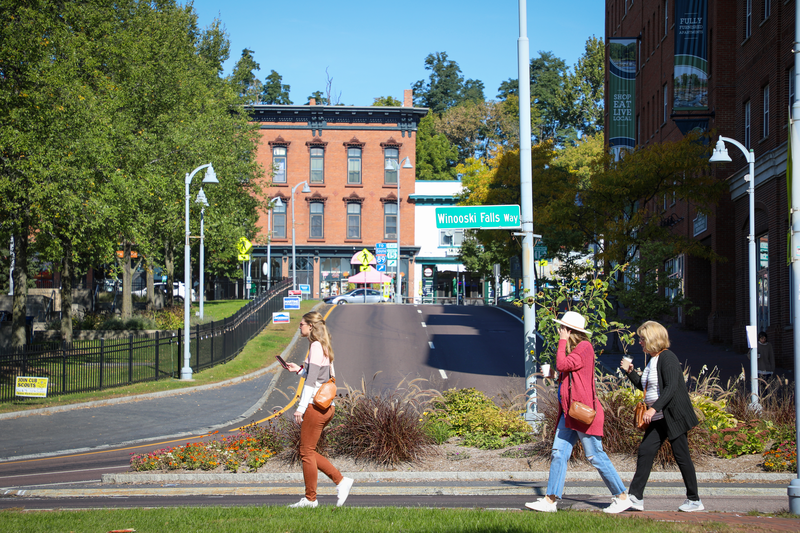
pixel 478 127
pixel 584 90
pixel 275 92
pixel 319 97
pixel 387 101
pixel 436 156
pixel 244 77
pixel 446 86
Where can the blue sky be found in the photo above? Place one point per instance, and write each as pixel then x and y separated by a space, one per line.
pixel 373 48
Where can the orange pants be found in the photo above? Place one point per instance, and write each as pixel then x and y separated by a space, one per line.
pixel 314 421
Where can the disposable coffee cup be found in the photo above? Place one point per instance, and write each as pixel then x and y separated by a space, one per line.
pixel 628 359
pixel 546 370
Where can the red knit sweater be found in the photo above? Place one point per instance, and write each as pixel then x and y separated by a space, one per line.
pixel 578 366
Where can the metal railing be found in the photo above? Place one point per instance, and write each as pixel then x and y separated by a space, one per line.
pixel 105 363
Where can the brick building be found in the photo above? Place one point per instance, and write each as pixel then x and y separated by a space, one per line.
pixel 341 153
pixel 747 45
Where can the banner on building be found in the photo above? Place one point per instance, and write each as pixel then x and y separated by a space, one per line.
pixel 622 94
pixel 690 84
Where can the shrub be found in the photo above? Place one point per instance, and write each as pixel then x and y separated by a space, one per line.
pixel 745 439
pixel 438 430
pixel 781 457
pixel 457 404
pixel 267 436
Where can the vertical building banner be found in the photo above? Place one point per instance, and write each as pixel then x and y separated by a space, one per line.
pixel 622 95
pixel 690 85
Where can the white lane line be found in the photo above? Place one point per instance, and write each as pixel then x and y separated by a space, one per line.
pixel 423 324
pixel 63 472
pixel 419 311
pixel 444 376
pixel 431 345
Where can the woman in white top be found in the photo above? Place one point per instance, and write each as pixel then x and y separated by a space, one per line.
pixel 317 369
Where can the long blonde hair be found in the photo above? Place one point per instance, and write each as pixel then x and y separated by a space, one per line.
pixel 575 338
pixel 319 332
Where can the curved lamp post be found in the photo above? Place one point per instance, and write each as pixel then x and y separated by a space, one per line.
pixel 391 164
pixel 272 204
pixel 305 190
pixel 211 177
pixel 203 201
pixel 720 155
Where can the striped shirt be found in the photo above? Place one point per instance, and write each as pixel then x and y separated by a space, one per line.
pixel 650 384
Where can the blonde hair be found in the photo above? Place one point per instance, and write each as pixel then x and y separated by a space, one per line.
pixel 655 337
pixel 575 338
pixel 319 332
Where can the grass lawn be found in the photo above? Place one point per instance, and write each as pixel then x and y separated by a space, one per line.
pixel 265 519
pixel 258 353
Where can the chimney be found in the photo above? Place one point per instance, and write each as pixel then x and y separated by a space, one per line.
pixel 408 100
pixel 312 101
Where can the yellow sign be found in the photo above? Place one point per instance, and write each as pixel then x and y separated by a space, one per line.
pixel 365 257
pixel 244 246
pixel 244 257
pixel 31 387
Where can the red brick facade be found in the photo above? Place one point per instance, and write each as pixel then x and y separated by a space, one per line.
pixel 746 55
pixel 333 132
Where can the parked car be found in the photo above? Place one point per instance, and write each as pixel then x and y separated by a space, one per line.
pixel 356 297
pixel 178 290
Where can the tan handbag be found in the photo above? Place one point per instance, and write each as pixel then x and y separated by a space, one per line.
pixel 641 425
pixel 326 392
pixel 580 411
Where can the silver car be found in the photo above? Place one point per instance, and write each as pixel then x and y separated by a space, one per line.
pixel 358 297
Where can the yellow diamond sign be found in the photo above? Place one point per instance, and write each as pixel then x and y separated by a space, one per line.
pixel 244 246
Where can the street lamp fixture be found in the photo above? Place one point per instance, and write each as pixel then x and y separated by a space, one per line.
pixel 720 155
pixel 210 177
pixel 391 164
pixel 272 204
pixel 203 201
pixel 305 190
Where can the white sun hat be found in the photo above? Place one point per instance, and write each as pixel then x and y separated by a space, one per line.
pixel 573 320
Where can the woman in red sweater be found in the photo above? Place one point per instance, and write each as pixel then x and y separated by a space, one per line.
pixel 575 364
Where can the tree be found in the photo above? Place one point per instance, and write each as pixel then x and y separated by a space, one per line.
pixel 274 92
pixel 583 96
pixel 387 101
pixel 244 78
pixel 436 156
pixel 319 98
pixel 446 86
pixel 476 127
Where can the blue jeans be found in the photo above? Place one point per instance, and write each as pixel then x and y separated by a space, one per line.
pixel 593 446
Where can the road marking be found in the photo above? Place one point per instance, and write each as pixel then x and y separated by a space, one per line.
pixel 444 376
pixel 430 344
pixel 419 311
pixel 423 324
pixel 64 472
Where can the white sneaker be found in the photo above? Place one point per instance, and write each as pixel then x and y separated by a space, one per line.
pixel 618 505
pixel 691 506
pixel 543 505
pixel 636 503
pixel 304 503
pixel 343 490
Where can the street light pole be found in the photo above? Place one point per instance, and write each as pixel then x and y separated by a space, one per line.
pixel 203 201
pixel 393 165
pixel 272 205
pixel 211 177
pixel 305 190
pixel 721 155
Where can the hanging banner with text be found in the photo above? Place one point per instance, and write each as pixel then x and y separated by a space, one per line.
pixel 622 94
pixel 690 86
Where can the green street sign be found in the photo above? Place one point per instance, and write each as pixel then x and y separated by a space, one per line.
pixel 479 217
pixel 539 252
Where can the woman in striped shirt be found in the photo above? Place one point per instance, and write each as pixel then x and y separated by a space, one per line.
pixel 670 415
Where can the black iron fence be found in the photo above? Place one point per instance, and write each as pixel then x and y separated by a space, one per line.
pixel 105 363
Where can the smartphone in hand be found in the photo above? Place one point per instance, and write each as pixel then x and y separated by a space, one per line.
pixel 282 362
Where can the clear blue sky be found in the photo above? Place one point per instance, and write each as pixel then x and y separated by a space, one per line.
pixel 373 48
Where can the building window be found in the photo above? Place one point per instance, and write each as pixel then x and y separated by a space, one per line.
pixel 317 165
pixel 700 224
pixel 748 16
pixel 762 282
pixel 666 17
pixel 747 124
pixel 767 8
pixel 389 220
pixel 279 221
pixel 354 166
pixel 451 237
pixel 765 125
pixel 791 86
pixel 666 102
pixel 390 176
pixel 353 220
pixel 317 222
pixel 673 268
pixel 279 164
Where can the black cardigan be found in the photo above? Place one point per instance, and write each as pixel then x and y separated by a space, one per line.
pixel 673 397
